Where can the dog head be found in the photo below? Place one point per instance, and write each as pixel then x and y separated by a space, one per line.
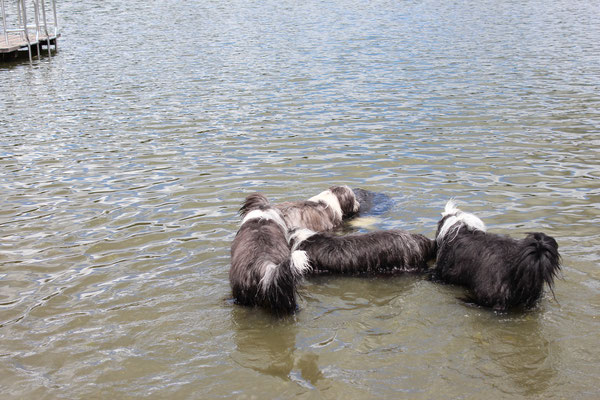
pixel 347 199
pixel 341 199
pixel 254 201
pixel 257 207
pixel 453 219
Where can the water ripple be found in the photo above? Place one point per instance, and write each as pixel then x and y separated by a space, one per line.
pixel 120 202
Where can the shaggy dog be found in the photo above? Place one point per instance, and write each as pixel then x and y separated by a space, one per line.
pixel 499 271
pixel 322 212
pixel 264 272
pixel 364 253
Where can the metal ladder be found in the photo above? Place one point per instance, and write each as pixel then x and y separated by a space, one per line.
pixel 30 30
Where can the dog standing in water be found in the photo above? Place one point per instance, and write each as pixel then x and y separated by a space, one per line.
pixel 264 272
pixel 500 272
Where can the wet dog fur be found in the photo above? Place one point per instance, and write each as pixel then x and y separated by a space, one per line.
pixel 322 212
pixel 364 253
pixel 264 271
pixel 499 271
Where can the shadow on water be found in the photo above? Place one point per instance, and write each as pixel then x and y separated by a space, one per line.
pixel 372 203
pixel 10 60
pixel 267 345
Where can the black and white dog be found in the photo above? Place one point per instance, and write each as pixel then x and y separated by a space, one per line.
pixel 264 271
pixel 364 253
pixel 322 212
pixel 500 272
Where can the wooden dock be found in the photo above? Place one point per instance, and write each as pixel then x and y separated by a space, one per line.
pixel 15 42
pixel 26 26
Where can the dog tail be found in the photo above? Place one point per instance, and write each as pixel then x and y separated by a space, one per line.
pixel 300 263
pixel 277 288
pixel 538 263
pixel 252 202
pixel 278 285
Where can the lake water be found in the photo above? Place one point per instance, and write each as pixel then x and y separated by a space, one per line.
pixel 125 157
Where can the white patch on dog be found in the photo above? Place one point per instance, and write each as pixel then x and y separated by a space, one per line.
pixel 450 208
pixel 458 218
pixel 267 279
pixel 472 221
pixel 270 214
pixel 330 200
pixel 300 262
pixel 298 236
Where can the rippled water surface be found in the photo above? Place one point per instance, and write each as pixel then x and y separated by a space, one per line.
pixel 124 159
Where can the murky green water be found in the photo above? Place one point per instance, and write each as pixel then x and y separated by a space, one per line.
pixel 124 159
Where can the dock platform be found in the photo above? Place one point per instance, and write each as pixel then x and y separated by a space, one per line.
pixel 26 27
pixel 15 42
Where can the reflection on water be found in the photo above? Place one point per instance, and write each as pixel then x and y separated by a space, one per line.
pixel 268 346
pixel 515 353
pixel 123 163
